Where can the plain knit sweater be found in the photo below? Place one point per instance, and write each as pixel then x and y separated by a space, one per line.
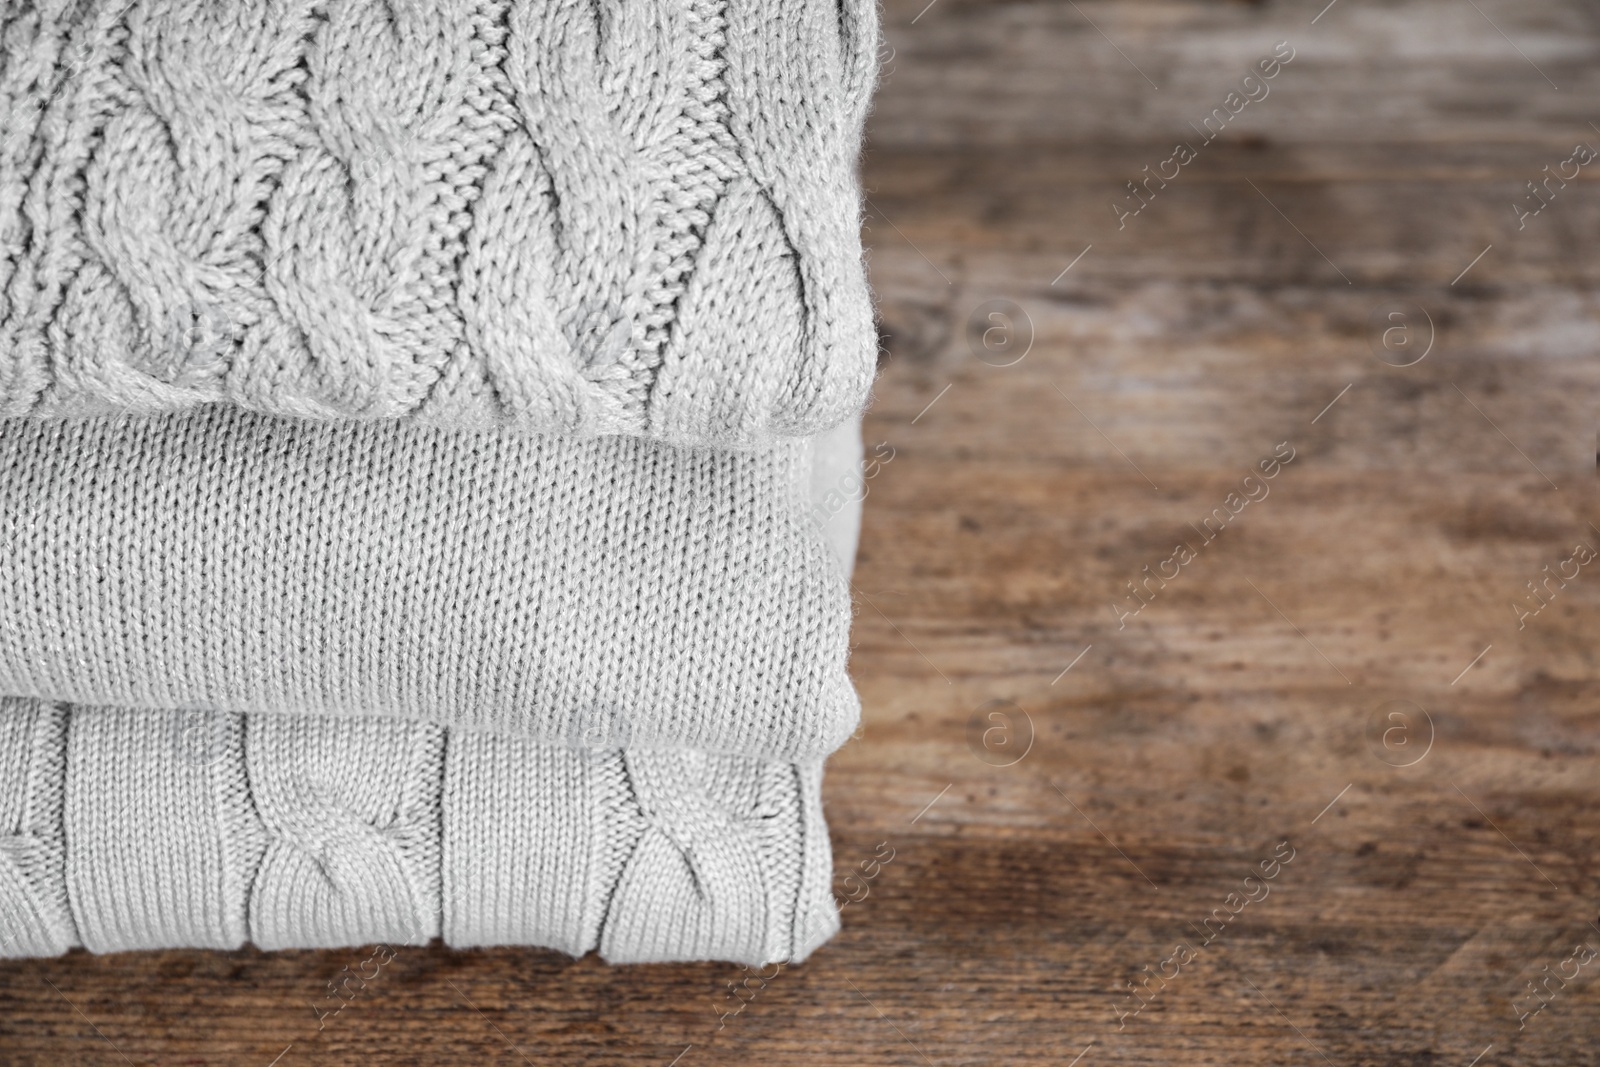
pixel 533 585
pixel 563 215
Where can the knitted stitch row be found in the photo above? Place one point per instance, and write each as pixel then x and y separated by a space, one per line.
pixel 124 829
pixel 531 585
pixel 577 216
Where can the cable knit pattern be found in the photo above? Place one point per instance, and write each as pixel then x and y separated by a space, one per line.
pixel 200 829
pixel 34 61
pixel 352 810
pixel 523 584
pixel 621 148
pixel 35 916
pixel 576 216
pixel 696 877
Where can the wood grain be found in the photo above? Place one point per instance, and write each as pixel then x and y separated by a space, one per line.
pixel 1235 710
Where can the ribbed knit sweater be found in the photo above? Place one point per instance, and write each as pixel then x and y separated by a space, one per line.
pixel 585 216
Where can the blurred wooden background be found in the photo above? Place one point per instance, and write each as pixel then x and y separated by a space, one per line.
pixel 1442 860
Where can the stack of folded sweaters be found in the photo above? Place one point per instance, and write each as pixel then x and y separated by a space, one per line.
pixel 429 471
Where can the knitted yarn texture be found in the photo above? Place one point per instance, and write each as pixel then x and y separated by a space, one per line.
pixel 124 829
pixel 532 585
pixel 574 216
pixel 413 417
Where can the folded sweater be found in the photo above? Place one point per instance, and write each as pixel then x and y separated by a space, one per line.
pixel 124 829
pixel 562 215
pixel 527 584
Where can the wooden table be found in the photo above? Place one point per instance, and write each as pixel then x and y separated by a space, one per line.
pixel 1332 685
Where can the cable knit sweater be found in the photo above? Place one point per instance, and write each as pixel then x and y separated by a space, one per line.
pixel 124 829
pixel 585 216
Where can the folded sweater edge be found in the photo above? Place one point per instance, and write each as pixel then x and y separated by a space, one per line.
pixel 124 829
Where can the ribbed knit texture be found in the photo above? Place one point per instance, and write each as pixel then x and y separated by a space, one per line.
pixel 531 585
pixel 578 216
pixel 176 829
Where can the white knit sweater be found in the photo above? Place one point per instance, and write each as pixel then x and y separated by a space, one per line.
pixel 130 829
pixel 591 217
pixel 540 586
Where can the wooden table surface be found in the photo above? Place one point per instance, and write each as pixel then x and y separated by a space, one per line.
pixel 1336 688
